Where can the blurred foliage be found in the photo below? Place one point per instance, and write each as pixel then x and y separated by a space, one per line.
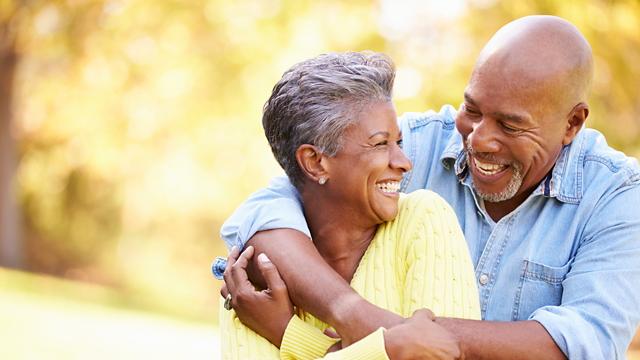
pixel 138 121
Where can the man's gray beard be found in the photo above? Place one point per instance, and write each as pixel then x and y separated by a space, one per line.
pixel 510 191
pixel 512 187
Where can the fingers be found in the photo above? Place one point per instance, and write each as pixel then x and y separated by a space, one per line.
pixel 231 261
pixel 244 258
pixel 224 291
pixel 271 276
pixel 335 347
pixel 239 268
pixel 423 315
pixel 331 333
pixel 233 255
pixel 235 274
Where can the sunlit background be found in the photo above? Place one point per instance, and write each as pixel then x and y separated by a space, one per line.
pixel 129 130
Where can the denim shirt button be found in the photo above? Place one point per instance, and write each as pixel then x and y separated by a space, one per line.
pixel 484 279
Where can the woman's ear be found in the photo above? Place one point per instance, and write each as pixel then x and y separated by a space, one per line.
pixel 310 160
pixel 576 120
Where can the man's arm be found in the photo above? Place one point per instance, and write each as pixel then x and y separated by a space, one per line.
pixel 598 314
pixel 314 286
pixel 502 340
pixel 269 311
pixel 274 207
pixel 272 221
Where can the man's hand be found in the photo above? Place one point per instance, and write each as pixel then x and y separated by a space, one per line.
pixel 419 337
pixel 266 312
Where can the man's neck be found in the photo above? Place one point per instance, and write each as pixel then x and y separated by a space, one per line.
pixel 498 210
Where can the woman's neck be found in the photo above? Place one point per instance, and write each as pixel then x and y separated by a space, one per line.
pixel 339 237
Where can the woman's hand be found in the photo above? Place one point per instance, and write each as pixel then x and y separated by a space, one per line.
pixel 266 312
pixel 420 337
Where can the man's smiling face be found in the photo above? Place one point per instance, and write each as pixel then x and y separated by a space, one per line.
pixel 525 100
pixel 512 133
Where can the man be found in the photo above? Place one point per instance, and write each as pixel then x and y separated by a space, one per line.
pixel 545 205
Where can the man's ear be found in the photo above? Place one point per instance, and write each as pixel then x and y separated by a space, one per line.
pixel 311 162
pixel 575 121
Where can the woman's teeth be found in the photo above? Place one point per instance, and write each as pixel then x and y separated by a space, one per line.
pixel 389 187
pixel 487 168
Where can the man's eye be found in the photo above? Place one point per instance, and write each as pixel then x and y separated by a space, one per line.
pixel 382 143
pixel 470 111
pixel 399 142
pixel 510 129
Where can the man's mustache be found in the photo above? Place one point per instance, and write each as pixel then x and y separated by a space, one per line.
pixel 489 157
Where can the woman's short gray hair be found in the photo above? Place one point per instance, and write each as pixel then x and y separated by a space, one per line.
pixel 317 99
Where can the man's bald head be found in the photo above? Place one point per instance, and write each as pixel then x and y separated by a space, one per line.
pixel 525 101
pixel 541 51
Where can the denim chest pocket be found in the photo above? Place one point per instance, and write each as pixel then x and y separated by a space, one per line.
pixel 540 285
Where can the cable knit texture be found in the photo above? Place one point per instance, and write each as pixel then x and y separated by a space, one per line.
pixel 418 260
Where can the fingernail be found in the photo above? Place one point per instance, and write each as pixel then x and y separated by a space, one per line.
pixel 263 258
pixel 233 248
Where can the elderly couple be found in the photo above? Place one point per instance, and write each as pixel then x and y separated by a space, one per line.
pixel 526 243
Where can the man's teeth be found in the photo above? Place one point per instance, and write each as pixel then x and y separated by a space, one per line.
pixel 389 187
pixel 487 168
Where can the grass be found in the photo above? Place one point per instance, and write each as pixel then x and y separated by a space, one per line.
pixel 47 318
pixel 43 317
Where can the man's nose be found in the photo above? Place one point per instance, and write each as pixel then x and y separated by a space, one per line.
pixel 483 137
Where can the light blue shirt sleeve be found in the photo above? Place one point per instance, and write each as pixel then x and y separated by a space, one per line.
pixel 599 312
pixel 275 207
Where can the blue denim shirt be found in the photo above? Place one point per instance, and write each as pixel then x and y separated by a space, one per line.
pixel 568 257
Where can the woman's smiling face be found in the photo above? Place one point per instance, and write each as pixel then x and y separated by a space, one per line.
pixel 365 174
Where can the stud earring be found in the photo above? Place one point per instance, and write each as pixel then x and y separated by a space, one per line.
pixel 322 180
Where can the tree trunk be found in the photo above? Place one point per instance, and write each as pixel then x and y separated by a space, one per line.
pixel 11 247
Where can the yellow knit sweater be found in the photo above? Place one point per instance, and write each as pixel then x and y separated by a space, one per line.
pixel 418 260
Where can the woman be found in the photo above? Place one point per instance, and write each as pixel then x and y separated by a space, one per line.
pixel 332 127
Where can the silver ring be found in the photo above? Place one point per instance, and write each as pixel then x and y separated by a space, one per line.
pixel 227 302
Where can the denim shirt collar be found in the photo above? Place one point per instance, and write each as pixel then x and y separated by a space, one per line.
pixel 563 183
pixel 453 152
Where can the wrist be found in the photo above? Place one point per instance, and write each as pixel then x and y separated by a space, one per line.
pixel 449 325
pixel 392 345
pixel 356 318
pixel 344 312
pixel 278 335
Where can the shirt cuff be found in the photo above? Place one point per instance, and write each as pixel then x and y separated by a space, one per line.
pixel 369 348
pixel 304 341
pixel 575 337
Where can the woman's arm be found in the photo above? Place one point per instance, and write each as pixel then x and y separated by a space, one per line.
pixel 270 313
pixel 315 287
pixel 424 239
